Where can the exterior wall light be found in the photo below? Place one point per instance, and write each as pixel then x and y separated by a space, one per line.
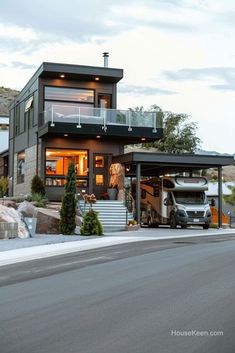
pixel 97 78
pixel 62 76
pixel 98 137
pixel 66 135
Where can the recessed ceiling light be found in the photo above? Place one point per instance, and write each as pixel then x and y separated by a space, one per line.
pixel 62 76
pixel 97 78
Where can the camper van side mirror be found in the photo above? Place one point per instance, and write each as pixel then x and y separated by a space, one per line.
pixel 166 202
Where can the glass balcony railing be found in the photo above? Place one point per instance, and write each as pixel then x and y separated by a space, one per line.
pixel 80 115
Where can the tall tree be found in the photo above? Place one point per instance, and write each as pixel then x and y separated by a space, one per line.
pixel 68 208
pixel 179 134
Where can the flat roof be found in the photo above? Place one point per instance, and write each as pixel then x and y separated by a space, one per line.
pixel 81 72
pixel 162 163
pixel 72 72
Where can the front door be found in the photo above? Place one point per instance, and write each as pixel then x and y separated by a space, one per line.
pixel 101 164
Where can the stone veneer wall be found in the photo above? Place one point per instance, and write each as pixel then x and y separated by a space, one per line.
pixel 29 172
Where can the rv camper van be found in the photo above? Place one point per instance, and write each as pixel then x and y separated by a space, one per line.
pixel 175 201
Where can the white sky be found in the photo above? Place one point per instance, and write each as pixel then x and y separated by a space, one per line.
pixel 178 54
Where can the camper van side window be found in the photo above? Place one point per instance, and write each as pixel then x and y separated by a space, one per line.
pixel 168 184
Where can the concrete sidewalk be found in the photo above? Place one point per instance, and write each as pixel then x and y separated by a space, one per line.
pixel 42 246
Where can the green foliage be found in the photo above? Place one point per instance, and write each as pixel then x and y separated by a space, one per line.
pixel 68 208
pixel 179 134
pixel 3 186
pixel 70 185
pixel 91 224
pixel 39 200
pixel 68 214
pixel 37 186
pixel 121 118
pixel 230 198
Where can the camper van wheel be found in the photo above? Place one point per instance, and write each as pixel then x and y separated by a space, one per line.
pixel 173 223
pixel 183 226
pixel 206 226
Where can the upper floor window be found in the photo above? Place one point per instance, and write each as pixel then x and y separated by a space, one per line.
pixel 69 94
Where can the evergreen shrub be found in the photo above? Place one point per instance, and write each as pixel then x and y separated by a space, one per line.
pixel 91 224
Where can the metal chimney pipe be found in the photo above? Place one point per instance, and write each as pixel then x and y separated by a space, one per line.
pixel 106 59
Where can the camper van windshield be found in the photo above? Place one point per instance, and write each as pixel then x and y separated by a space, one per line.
pixel 189 197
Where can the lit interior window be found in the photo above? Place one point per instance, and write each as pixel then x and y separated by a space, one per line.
pixel 58 161
pixel 99 179
pixel 99 161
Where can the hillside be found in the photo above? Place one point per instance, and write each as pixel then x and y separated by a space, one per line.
pixel 7 95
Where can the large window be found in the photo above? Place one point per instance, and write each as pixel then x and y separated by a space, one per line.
pixel 58 161
pixel 20 167
pixel 28 112
pixel 69 94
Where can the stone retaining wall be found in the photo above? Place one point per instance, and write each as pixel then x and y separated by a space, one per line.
pixel 8 230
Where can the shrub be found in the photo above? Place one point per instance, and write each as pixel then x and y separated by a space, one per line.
pixel 3 186
pixel 68 214
pixel 68 209
pixel 38 199
pixel 91 224
pixel 37 186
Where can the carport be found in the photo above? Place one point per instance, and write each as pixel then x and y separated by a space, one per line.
pixel 146 164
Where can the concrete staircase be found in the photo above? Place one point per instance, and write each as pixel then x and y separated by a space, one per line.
pixel 112 214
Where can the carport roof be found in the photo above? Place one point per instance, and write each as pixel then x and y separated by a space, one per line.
pixel 162 163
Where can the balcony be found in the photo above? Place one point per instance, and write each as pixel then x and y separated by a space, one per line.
pixel 77 119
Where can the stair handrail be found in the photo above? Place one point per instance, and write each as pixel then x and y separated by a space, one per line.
pixel 129 201
pixel 79 193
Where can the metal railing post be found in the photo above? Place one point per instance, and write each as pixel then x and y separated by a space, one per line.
pixel 155 123
pixel 104 127
pixel 52 116
pixel 129 121
pixel 79 118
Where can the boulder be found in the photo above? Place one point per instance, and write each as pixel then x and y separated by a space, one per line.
pixel 48 221
pixel 10 215
pixel 10 203
pixel 27 209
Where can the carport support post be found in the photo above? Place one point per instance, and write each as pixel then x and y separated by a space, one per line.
pixel 220 193
pixel 138 176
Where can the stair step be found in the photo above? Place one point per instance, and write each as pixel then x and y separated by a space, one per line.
pixel 112 214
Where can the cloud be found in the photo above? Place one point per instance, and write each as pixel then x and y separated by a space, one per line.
pixel 143 90
pixel 18 65
pixel 84 21
pixel 225 74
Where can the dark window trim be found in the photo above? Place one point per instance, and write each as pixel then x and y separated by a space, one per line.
pixel 55 100
pixel 105 94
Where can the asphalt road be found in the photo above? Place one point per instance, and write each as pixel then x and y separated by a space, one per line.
pixel 136 298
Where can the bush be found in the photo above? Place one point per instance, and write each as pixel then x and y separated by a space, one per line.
pixel 91 224
pixel 37 186
pixel 68 214
pixel 3 186
pixel 38 199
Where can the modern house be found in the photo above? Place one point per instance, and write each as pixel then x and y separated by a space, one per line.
pixel 69 113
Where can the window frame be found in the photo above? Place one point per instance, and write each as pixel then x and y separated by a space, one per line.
pixel 68 101
pixel 61 176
